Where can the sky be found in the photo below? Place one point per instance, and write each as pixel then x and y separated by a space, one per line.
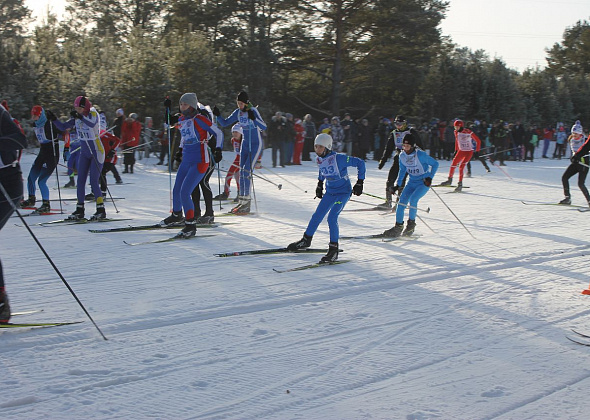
pixel 518 31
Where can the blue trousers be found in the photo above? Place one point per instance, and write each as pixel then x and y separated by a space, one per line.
pixel 332 203
pixel 412 193
pixel 187 178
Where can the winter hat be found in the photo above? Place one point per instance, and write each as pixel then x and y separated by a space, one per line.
pixel 4 103
pixel 577 128
pixel 37 110
pixel 238 128
pixel 243 97
pixel 190 99
pixel 409 140
pixel 83 102
pixel 324 139
pixel 119 112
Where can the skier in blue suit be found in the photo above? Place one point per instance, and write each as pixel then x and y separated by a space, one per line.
pixel 332 168
pixel 421 168
pixel 249 119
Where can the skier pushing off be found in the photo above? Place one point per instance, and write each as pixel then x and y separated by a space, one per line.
pixel 332 168
pixel 421 168
pixel 464 139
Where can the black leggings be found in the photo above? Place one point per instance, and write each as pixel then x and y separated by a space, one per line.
pixel 207 194
pixel 571 170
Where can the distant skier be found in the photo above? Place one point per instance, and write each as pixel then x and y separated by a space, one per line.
pixel 251 122
pixel 332 168
pixel 234 170
pixel 394 143
pixel 46 161
pixel 579 163
pixel 464 139
pixel 421 168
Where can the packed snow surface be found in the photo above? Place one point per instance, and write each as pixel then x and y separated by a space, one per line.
pixel 465 322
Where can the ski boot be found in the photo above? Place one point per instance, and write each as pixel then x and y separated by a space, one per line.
pixel 302 243
pixel 567 200
pixel 29 202
pixel 459 186
pixel 118 182
pixel 175 219
pixel 89 197
pixel 71 183
pixel 100 214
pixel 388 201
pixel 44 208
pixel 4 307
pixel 237 199
pixel 243 206
pixel 332 254
pixel 447 182
pixel 395 231
pixel 410 226
pixel 205 220
pixel 189 230
pixel 78 214
pixel 222 196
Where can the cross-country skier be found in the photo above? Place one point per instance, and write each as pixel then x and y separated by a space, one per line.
pixel 193 128
pixel 464 139
pixel 332 168
pixel 248 117
pixel 579 163
pixel 87 123
pixel 12 140
pixel 234 170
pixel 71 155
pixel 394 143
pixel 46 161
pixel 421 168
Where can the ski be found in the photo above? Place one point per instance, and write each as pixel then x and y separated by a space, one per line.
pixel 26 312
pixel 587 344
pixel 173 238
pixel 88 201
pixel 35 208
pixel 584 209
pixel 153 227
pixel 272 251
pixel 37 324
pixel 447 186
pixel 400 238
pixel 580 334
pixel 534 203
pixel 63 222
pixel 376 236
pixel 42 214
pixel 308 266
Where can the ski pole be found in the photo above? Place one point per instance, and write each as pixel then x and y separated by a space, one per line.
pixel 279 186
pixel 284 179
pixel 56 160
pixel 6 195
pixel 453 213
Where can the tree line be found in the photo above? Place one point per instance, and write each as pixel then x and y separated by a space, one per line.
pixel 324 58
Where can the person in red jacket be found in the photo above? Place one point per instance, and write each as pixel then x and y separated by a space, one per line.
pixel 464 139
pixel 110 143
pixel 299 140
pixel 130 135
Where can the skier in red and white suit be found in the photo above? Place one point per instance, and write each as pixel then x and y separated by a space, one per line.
pixel 234 170
pixel 464 139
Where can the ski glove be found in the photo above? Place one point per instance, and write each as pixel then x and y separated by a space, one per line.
pixel 110 154
pixel 381 164
pixel 575 158
pixel 50 115
pixel 216 111
pixel 75 114
pixel 167 103
pixel 427 181
pixel 358 187
pixel 319 191
pixel 217 156
pixel 178 156
pixel 251 115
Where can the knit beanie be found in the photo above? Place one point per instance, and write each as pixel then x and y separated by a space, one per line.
pixel 243 97
pixel 190 99
pixel 577 128
pixel 119 112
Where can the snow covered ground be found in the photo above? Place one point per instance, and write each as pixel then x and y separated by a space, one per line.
pixel 447 326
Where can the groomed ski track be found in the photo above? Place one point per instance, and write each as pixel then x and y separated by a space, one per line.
pixel 444 326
